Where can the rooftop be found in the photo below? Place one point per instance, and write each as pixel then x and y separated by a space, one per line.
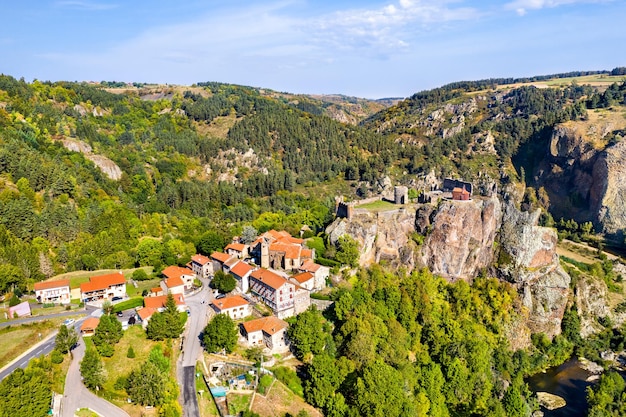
pixel 269 278
pixel 200 259
pixel 46 285
pixel 303 277
pixel 269 325
pixel 220 256
pixel 229 302
pixel 176 271
pixel 102 282
pixel 159 301
pixel 241 269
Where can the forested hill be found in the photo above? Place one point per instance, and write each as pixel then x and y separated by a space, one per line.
pixel 93 179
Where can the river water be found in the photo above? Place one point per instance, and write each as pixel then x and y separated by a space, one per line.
pixel 569 381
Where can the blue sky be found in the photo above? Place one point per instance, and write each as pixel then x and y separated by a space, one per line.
pixel 363 48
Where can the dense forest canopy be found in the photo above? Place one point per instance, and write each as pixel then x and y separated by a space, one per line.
pixel 180 177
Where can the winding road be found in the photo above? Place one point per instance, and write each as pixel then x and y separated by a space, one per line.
pixel 78 396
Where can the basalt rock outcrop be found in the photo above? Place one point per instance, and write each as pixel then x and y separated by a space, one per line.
pixel 382 236
pixel 528 259
pixel 583 174
pixel 459 236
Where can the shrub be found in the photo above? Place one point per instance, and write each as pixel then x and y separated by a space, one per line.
pixel 264 383
pixel 131 352
pixel 140 275
pixel 56 357
pixel 289 377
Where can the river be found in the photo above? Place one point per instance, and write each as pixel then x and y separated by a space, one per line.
pixel 569 381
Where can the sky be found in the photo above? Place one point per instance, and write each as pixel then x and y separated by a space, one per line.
pixel 366 48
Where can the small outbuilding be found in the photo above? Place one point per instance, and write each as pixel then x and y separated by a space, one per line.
pixel 20 310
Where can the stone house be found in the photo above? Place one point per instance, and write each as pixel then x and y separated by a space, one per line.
pixel 186 275
pixel 320 272
pixel 282 296
pixel 202 266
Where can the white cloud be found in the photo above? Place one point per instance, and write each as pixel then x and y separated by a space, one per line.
pixel 84 5
pixel 522 7
pixel 385 28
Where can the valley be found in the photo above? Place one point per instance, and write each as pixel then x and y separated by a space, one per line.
pixel 462 230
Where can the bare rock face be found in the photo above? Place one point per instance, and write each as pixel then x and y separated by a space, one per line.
pixel 591 303
pixel 108 167
pixel 528 259
pixel 381 236
pixel 608 194
pixel 460 236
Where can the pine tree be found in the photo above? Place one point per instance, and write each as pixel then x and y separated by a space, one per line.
pixel 91 369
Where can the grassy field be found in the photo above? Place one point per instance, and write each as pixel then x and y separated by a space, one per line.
pixel 141 285
pixel 119 365
pixel 14 340
pixel 78 277
pixel 379 205
pixel 238 402
pixel 281 400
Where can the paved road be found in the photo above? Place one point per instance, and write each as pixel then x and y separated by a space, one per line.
pixel 42 348
pixel 78 396
pixel 33 319
pixel 192 349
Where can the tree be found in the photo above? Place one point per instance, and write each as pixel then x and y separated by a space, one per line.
pixel 167 324
pixel 25 393
pixel 219 334
pixel 248 235
pixel 223 282
pixel 380 392
pixel 347 251
pixel 306 333
pixel 91 370
pixel 149 252
pixel 210 242
pixel 66 339
pixel 139 275
pixel 107 334
pixel 146 385
pixel 107 307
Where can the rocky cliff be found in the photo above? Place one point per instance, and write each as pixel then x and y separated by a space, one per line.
pixel 382 235
pixel 583 172
pixel 608 196
pixel 460 236
pixel 527 258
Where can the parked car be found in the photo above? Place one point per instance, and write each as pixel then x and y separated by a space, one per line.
pixel 120 314
pixel 68 322
pixel 116 298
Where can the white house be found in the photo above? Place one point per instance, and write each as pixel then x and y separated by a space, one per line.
pixel 270 332
pixel 104 287
pixel 48 292
pixel 234 306
pixel 320 272
pixel 186 275
pixel 241 272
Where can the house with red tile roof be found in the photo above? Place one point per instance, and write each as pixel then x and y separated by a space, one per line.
pixel 222 261
pixel 48 292
pixel 103 287
pixel 234 306
pixel 283 297
pixel 280 250
pixel 156 304
pixel 305 280
pixel 174 285
pixel 202 266
pixel 320 272
pixel 159 302
pixel 185 274
pixel 156 291
pixel 237 249
pixel 88 328
pixel 241 272
pixel 269 332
